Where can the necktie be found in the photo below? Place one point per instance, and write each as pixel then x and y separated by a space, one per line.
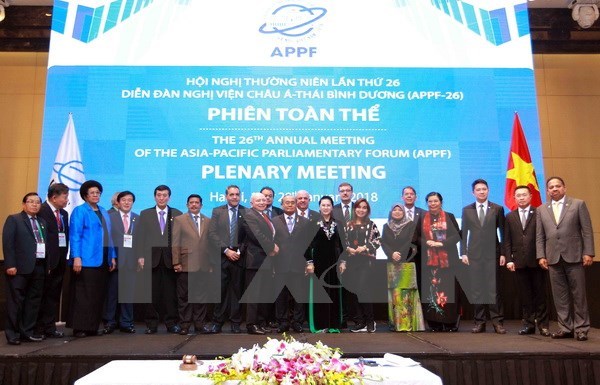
pixel 162 221
pixel 269 213
pixel 58 220
pixel 410 214
pixel 556 210
pixel 346 213
pixel 290 224
pixel 481 215
pixel 197 221
pixel 302 213
pixel 36 230
pixel 266 218
pixel 233 227
pixel 523 218
pixel 125 223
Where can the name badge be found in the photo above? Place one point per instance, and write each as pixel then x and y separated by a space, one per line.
pixel 128 240
pixel 40 252
pixel 62 240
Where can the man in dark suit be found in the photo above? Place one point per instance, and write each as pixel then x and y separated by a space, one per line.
pixel 270 210
pixel 302 202
pixel 519 249
pixel 23 244
pixel 409 196
pixel 258 246
pixel 121 282
pixel 293 235
pixel 153 247
pixel 342 212
pixel 481 250
pixel 227 262
pixel 565 245
pixel 57 244
pixel 191 263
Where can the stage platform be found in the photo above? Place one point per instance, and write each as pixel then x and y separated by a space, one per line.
pixel 458 358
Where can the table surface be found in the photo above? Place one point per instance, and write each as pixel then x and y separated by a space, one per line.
pixel 166 372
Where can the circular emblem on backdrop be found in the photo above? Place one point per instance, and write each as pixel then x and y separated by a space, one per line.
pixel 70 173
pixel 292 20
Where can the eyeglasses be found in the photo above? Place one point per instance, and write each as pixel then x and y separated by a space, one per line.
pixel 345 190
pixel 33 202
pixel 94 193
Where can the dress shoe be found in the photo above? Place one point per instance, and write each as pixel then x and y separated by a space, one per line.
pixel 14 341
pixel 478 328
pixel 273 325
pixel 527 330
pixel 581 336
pixel 184 331
pixel 217 328
pixel 175 329
pixel 32 338
pixel 235 328
pixel 79 334
pixel 562 334
pixel 151 331
pixel 108 329
pixel 203 330
pixel 127 329
pixel 283 329
pixel 297 327
pixel 54 334
pixel 544 332
pixel 253 329
pixel 499 329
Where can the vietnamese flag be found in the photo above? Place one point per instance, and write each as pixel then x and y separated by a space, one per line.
pixel 520 171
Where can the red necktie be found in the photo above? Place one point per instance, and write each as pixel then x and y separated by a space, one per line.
pixel 58 221
pixel 266 218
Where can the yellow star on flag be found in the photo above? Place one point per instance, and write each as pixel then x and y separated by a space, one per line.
pixel 522 172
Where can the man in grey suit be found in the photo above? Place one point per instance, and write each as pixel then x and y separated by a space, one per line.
pixel 565 245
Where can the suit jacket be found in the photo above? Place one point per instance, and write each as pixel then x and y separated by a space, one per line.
pixel 190 248
pixel 275 211
pixel 519 244
pixel 126 255
pixel 54 253
pixel 418 214
pixel 218 231
pixel 19 244
pixel 338 213
pixel 572 237
pixel 482 241
pixel 150 243
pixel 257 239
pixel 86 235
pixel 313 215
pixel 294 247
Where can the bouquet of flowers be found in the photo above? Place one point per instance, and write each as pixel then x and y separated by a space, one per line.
pixel 286 361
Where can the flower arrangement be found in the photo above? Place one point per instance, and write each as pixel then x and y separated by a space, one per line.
pixel 286 361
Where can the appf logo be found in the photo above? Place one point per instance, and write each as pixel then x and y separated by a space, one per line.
pixel 293 23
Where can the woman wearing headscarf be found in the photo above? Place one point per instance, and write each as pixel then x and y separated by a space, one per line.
pixel 436 235
pixel 92 257
pixel 404 304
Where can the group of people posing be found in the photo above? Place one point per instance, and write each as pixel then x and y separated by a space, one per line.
pixel 291 267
